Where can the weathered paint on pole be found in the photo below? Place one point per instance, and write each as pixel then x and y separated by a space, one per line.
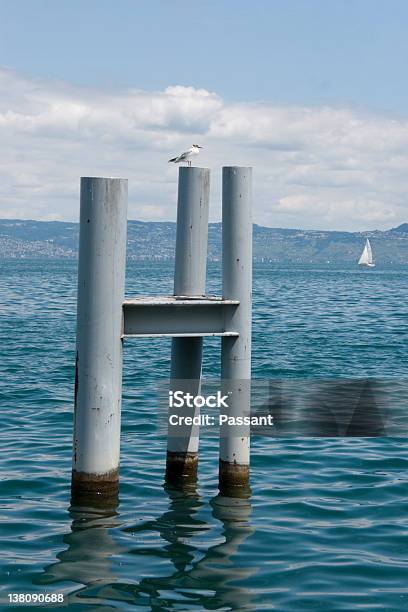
pixel 192 231
pixel 236 352
pixel 189 281
pixel 98 380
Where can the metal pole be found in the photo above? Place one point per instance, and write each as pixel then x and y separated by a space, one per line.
pixel 236 351
pixel 189 281
pixel 98 378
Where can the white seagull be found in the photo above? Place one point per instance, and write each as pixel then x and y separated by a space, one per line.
pixel 185 157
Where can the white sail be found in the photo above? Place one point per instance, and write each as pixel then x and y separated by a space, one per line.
pixel 366 258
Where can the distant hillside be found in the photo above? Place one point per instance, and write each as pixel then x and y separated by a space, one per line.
pixel 156 240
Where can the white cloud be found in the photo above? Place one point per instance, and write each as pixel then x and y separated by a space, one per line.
pixel 313 167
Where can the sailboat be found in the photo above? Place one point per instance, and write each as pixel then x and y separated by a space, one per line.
pixel 366 258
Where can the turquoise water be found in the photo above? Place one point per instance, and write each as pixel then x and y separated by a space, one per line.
pixel 326 527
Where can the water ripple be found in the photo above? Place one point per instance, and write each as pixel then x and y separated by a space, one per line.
pixel 326 527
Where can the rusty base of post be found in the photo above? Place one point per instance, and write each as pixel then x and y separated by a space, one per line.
pixel 234 479
pixel 95 485
pixel 181 468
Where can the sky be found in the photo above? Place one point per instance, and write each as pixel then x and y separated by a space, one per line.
pixel 312 93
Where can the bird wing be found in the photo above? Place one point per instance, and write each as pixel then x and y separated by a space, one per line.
pixel 183 156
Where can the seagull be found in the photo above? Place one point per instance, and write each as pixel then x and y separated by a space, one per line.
pixel 185 157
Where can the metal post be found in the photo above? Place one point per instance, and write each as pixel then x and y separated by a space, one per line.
pixel 98 378
pixel 236 352
pixel 189 281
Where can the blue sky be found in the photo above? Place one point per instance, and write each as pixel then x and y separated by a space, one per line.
pixel 293 51
pixel 296 63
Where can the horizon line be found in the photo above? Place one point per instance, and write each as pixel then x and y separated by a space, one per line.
pixel 298 229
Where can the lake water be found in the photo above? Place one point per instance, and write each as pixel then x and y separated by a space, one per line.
pixel 326 527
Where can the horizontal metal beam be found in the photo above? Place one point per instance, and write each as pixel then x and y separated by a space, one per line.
pixel 178 317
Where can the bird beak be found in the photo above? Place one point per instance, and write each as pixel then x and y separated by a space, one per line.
pixel 200 147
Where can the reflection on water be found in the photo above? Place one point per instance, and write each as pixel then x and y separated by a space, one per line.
pixel 198 577
pixel 87 560
pixel 330 514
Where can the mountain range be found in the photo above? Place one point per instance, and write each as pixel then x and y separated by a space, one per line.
pixel 156 241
